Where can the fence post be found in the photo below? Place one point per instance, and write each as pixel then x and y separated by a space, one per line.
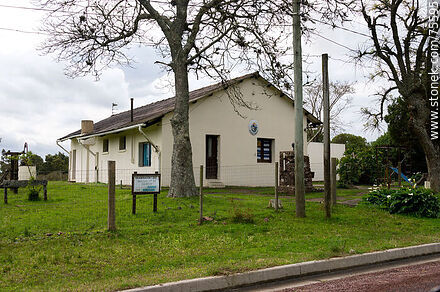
pixel 45 192
pixel 111 196
pixel 399 175
pixel 333 180
pixel 201 195
pixel 133 204
pixel 276 186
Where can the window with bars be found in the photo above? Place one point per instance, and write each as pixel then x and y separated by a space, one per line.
pixel 264 150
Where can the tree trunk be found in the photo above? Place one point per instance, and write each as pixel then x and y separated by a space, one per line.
pixel 182 174
pixel 419 121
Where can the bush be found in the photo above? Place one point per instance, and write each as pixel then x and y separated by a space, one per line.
pixel 240 215
pixel 358 166
pixel 33 194
pixel 419 202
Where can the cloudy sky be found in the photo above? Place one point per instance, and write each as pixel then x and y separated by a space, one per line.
pixel 40 104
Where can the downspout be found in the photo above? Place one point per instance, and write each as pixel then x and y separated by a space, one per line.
pixel 69 154
pixel 156 148
pixel 59 145
pixel 95 155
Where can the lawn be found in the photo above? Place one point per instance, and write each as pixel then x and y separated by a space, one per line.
pixel 62 244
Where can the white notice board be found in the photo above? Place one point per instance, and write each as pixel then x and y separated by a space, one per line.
pixel 146 183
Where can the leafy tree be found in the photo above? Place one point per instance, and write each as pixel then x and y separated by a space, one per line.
pixel 204 36
pixel 400 44
pixel 359 166
pixel 56 162
pixel 350 141
pixel 397 119
pixel 4 162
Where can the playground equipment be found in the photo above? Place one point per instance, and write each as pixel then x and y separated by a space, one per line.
pixel 398 169
pixel 402 175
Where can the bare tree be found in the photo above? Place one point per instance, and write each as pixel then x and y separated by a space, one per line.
pixel 399 32
pixel 340 101
pixel 204 36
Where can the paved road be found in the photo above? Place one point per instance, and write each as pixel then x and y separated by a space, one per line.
pixel 410 275
pixel 413 278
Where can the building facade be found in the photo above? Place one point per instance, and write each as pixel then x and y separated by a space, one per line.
pixel 236 145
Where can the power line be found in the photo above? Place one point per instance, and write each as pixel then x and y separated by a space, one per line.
pixel 71 12
pixel 29 8
pixel 23 31
pixel 341 27
pixel 334 42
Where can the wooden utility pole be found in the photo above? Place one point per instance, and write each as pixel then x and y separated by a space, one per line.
pixel 326 109
pixel 333 180
pixel 299 129
pixel 111 196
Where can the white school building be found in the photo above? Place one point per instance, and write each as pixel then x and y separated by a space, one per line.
pixel 236 150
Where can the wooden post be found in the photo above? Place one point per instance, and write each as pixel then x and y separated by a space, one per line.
pixel 326 109
pixel 45 192
pixel 399 174
pixel 121 184
pixel 133 206
pixel 276 186
pixel 201 195
pixel 6 195
pixel 333 180
pixel 111 196
pixel 299 130
pixel 155 203
pixel 133 197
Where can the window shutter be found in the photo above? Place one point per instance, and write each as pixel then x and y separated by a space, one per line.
pixel 141 154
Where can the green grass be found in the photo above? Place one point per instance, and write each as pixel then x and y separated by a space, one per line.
pixel 169 245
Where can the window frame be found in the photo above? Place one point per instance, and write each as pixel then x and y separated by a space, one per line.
pixel 123 141
pixel 141 161
pixel 105 142
pixel 271 146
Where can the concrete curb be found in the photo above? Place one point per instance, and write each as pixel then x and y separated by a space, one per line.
pixel 293 270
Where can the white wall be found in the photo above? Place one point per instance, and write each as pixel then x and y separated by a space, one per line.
pixel 26 172
pixel 212 115
pixel 215 115
pixel 126 160
pixel 316 154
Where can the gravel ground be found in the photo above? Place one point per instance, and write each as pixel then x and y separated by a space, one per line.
pixel 414 278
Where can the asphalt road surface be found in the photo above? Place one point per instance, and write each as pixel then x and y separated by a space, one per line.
pixel 423 277
pixel 410 275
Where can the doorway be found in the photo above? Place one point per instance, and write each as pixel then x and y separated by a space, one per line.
pixel 211 157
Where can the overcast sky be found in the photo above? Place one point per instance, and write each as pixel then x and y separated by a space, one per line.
pixel 40 104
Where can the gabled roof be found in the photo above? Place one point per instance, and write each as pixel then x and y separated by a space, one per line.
pixel 158 109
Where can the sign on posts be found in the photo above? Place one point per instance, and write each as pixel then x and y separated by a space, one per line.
pixel 144 184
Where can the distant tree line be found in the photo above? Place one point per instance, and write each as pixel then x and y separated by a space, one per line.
pixel 52 162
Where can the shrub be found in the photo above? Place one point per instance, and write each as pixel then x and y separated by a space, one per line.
pixel 33 194
pixel 358 166
pixel 240 215
pixel 419 202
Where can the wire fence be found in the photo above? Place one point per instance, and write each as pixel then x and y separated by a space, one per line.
pixel 241 175
pixel 78 202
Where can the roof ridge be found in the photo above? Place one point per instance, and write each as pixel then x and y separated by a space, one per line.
pixel 192 91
